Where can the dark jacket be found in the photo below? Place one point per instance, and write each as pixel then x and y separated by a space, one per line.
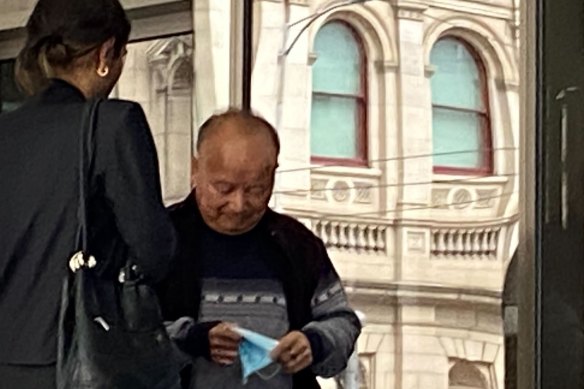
pixel 38 210
pixel 303 261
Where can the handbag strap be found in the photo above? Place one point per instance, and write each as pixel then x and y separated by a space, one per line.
pixel 86 149
pixel 82 257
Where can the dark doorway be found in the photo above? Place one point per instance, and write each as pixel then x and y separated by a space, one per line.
pixel 560 188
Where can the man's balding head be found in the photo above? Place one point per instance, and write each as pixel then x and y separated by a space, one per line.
pixel 234 172
pixel 242 123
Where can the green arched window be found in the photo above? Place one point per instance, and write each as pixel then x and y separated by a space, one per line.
pixel 338 116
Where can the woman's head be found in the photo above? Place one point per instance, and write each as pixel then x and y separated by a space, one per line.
pixel 81 41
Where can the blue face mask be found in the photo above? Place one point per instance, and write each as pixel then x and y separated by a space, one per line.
pixel 254 353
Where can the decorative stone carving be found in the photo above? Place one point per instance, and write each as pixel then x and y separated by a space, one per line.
pixel 411 11
pixel 440 198
pixel 385 66
pixel 486 198
pixel 171 58
pixel 183 76
pixel 416 241
pixel 363 193
pixel 318 188
pixel 461 199
pixel 341 191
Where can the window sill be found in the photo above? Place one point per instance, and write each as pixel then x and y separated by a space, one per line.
pixel 353 171
pixel 459 179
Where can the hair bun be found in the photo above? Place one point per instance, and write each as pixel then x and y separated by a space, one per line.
pixel 55 49
pixel 49 41
pixel 53 40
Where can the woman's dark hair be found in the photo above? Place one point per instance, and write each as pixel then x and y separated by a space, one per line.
pixel 61 31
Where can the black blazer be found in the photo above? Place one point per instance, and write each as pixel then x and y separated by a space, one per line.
pixel 38 205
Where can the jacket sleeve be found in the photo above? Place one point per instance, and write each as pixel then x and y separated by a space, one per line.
pixel 190 337
pixel 129 169
pixel 335 327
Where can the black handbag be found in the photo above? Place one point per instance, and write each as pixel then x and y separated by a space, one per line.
pixel 111 333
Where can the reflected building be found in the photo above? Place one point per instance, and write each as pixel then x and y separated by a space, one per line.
pixel 399 123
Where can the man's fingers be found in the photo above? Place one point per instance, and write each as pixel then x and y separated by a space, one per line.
pixel 221 353
pixel 224 361
pixel 298 363
pixel 223 357
pixel 283 345
pixel 217 342
pixel 224 331
pixel 286 344
pixel 293 352
pixel 223 343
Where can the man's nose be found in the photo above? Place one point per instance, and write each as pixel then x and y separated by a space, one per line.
pixel 237 201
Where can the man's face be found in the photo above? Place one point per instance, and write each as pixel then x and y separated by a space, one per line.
pixel 234 176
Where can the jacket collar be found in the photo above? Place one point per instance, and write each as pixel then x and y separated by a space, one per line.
pixel 60 91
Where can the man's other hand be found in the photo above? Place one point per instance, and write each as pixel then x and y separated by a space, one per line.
pixel 224 343
pixel 293 352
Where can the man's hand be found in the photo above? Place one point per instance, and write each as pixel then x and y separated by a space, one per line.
pixel 293 352
pixel 223 343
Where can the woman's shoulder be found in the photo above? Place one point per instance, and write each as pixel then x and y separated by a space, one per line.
pixel 122 121
pixel 120 107
pixel 124 113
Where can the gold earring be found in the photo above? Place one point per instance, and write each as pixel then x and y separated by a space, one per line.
pixel 103 72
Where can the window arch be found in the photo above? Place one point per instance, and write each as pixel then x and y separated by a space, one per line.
pixel 461 128
pixel 338 116
pixel 464 375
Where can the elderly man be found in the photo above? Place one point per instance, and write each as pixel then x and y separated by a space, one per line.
pixel 242 264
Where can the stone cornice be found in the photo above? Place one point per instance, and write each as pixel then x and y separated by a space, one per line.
pixel 385 66
pixel 475 8
pixel 420 294
pixel 305 3
pixel 410 10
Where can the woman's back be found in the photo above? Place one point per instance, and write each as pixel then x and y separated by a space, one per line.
pixel 38 210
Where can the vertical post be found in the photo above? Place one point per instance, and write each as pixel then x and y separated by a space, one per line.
pixel 282 57
pixel 247 54
pixel 352 372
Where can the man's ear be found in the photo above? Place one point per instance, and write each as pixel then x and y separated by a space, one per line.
pixel 194 171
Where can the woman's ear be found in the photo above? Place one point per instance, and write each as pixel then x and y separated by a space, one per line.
pixel 105 56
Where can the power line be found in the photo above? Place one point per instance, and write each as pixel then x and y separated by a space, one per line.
pixel 403 158
pixel 401 184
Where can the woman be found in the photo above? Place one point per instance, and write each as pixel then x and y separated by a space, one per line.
pixel 74 51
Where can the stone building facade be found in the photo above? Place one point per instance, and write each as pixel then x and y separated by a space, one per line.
pixel 421 239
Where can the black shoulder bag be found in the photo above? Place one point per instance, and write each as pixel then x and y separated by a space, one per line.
pixel 111 333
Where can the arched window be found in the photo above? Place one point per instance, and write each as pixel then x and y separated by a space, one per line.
pixel 338 119
pixel 464 375
pixel 460 110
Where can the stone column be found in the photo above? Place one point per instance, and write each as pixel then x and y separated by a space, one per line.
pixel 414 140
pixel 413 97
pixel 212 57
pixel 295 119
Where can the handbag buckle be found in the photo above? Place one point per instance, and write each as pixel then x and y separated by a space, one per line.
pixel 80 259
pixel 124 276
